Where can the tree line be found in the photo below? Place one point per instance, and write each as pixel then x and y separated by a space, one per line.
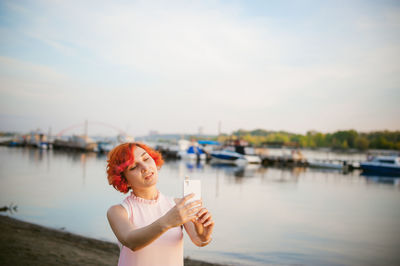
pixel 343 139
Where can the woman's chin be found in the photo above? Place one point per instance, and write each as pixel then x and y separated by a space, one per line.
pixel 151 180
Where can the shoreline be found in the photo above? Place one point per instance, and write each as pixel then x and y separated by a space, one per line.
pixel 24 243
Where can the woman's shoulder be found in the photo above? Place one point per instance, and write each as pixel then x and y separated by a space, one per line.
pixel 122 207
pixel 116 210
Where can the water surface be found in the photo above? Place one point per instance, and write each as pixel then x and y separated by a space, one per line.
pixel 264 216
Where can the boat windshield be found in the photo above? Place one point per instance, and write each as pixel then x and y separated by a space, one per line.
pixel 386 161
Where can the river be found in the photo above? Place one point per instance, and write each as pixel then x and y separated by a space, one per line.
pixel 263 216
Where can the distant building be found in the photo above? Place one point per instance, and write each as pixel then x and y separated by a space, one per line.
pixel 153 133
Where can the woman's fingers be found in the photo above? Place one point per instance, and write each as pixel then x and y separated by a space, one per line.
pixel 190 213
pixel 182 213
pixel 208 223
pixel 194 210
pixel 205 217
pixel 194 204
pixel 202 212
pixel 185 198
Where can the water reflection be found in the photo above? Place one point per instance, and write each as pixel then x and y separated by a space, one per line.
pixel 381 178
pixel 193 165
pixel 75 156
pixel 38 156
pixel 384 180
pixel 263 214
pixel 229 169
pixel 10 208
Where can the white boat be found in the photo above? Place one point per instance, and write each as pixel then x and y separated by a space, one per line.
pixel 389 165
pixel 328 164
pixel 253 159
pixel 251 156
pixel 247 152
pixel 228 157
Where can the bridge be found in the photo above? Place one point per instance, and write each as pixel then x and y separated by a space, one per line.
pixel 85 125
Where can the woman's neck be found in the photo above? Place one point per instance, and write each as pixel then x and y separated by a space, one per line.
pixel 148 193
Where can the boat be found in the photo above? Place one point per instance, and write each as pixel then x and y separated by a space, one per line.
pixel 241 148
pixel 251 156
pixel 193 153
pixel 105 146
pixel 228 157
pixel 208 146
pixel 38 140
pixel 190 150
pixel 76 142
pixel 12 141
pixel 387 165
pixel 327 164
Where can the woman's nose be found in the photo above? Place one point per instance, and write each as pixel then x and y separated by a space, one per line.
pixel 144 168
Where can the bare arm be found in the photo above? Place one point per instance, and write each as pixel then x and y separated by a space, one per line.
pixel 136 239
pixel 129 237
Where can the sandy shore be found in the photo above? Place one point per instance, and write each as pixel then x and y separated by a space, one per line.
pixel 24 243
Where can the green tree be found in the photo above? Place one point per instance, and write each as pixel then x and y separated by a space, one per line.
pixel 342 139
pixel 361 143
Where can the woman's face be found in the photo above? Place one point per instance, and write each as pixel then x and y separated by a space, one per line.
pixel 143 172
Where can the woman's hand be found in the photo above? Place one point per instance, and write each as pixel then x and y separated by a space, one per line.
pixel 181 212
pixel 204 225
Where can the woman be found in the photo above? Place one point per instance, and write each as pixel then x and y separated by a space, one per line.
pixel 147 223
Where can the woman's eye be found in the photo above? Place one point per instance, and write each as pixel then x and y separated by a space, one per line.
pixel 133 168
pixel 145 159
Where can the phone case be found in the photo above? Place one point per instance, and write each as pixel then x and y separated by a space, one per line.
pixel 192 186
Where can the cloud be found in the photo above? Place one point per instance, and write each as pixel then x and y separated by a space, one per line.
pixel 211 59
pixel 27 80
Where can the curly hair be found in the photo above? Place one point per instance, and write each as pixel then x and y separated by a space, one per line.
pixel 120 157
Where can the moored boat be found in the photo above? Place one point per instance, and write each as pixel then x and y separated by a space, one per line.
pixel 327 164
pixel 253 158
pixel 228 157
pixel 388 165
pixel 76 142
pixel 240 149
pixel 193 153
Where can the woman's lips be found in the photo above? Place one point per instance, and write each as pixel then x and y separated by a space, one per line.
pixel 149 176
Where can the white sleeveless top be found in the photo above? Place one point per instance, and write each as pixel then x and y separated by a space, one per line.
pixel 165 250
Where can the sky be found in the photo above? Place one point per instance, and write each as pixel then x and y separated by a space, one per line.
pixel 190 66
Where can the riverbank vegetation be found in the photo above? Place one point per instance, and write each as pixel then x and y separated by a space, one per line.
pixel 343 139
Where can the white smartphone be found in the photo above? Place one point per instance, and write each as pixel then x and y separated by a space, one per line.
pixel 192 186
